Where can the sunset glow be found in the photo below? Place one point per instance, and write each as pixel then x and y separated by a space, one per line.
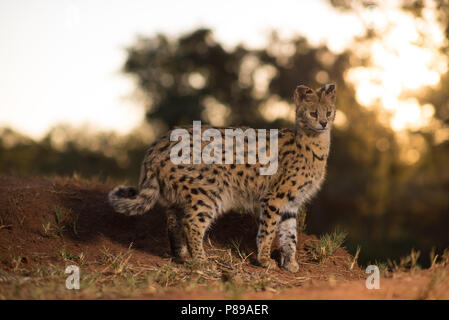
pixel 61 60
pixel 399 67
pixel 63 64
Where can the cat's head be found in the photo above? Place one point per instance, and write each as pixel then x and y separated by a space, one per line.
pixel 315 109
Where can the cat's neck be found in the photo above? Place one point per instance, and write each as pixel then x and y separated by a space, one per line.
pixel 313 139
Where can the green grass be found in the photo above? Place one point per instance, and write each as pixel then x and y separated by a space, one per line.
pixel 63 220
pixel 327 244
pixel 68 256
pixel 237 246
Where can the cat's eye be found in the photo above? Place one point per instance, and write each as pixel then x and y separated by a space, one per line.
pixel 314 114
pixel 328 114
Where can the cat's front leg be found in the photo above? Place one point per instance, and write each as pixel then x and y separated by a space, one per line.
pixel 287 240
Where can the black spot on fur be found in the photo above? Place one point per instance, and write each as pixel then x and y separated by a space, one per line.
pixel 330 88
pixel 202 191
pixel 128 192
pixel 288 215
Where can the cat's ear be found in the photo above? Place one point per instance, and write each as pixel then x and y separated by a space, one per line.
pixel 329 92
pixel 303 93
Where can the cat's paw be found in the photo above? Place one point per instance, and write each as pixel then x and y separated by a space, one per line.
pixel 291 266
pixel 181 255
pixel 268 263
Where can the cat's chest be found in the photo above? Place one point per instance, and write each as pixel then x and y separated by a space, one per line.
pixel 302 194
pixel 314 163
pixel 307 187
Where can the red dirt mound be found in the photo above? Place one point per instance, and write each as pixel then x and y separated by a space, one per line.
pixel 41 216
pixel 28 203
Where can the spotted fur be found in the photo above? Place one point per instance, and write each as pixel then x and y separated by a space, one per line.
pixel 196 194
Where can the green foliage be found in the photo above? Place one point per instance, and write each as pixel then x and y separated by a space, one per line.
pixel 326 246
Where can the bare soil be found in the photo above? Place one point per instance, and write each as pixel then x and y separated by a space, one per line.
pixel 49 223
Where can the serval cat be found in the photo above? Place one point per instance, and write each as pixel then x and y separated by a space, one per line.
pixel 194 195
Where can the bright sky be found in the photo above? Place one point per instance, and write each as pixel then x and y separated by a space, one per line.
pixel 401 62
pixel 60 60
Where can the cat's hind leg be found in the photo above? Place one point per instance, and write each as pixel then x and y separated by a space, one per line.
pixel 176 235
pixel 195 222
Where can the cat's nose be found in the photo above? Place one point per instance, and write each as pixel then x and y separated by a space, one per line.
pixel 323 124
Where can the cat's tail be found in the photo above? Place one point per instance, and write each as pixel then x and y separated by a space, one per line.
pixel 132 202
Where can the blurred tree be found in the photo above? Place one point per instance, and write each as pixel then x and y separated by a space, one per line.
pixel 182 78
pixel 88 156
pixel 417 213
